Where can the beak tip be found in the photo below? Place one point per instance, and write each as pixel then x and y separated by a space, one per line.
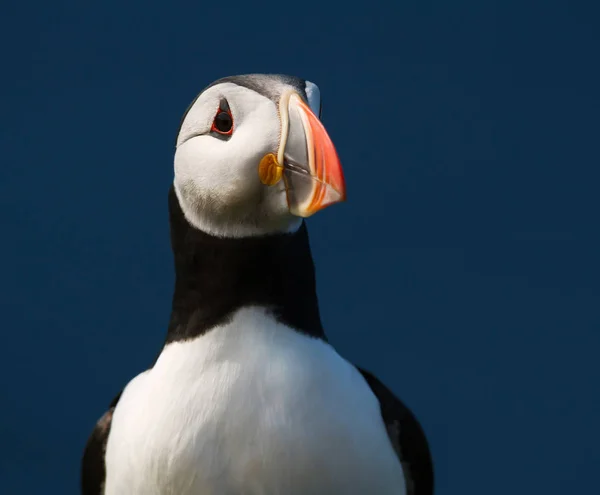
pixel 327 185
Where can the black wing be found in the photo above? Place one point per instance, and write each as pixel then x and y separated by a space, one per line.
pixel 407 437
pixel 93 467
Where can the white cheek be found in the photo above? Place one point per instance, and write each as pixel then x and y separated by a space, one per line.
pixel 217 180
pixel 226 171
pixel 202 163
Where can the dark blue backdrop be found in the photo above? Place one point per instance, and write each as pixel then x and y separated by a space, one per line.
pixel 463 270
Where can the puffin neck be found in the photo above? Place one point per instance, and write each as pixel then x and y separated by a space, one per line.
pixel 215 277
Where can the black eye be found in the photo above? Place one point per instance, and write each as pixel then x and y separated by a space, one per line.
pixel 223 123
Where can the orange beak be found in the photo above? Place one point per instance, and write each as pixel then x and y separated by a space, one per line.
pixel 312 171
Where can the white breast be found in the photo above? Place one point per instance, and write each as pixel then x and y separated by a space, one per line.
pixel 250 408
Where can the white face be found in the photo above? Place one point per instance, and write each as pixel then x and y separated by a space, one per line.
pixel 216 176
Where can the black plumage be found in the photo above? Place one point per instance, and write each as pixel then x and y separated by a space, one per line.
pixel 214 277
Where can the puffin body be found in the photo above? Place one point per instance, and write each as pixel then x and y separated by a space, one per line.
pixel 253 407
pixel 247 396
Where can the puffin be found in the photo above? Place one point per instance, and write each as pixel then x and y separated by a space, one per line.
pixel 247 396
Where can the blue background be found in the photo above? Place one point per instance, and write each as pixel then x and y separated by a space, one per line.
pixel 463 270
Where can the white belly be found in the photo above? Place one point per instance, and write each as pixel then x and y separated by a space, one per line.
pixel 251 408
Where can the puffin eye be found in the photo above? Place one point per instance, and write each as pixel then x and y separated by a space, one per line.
pixel 223 122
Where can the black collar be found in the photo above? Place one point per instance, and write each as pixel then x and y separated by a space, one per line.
pixel 214 277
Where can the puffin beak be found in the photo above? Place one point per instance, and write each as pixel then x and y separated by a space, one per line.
pixel 306 160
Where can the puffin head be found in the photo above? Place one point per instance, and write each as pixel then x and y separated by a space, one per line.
pixel 252 157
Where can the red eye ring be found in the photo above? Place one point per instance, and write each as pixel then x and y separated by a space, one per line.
pixel 223 121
